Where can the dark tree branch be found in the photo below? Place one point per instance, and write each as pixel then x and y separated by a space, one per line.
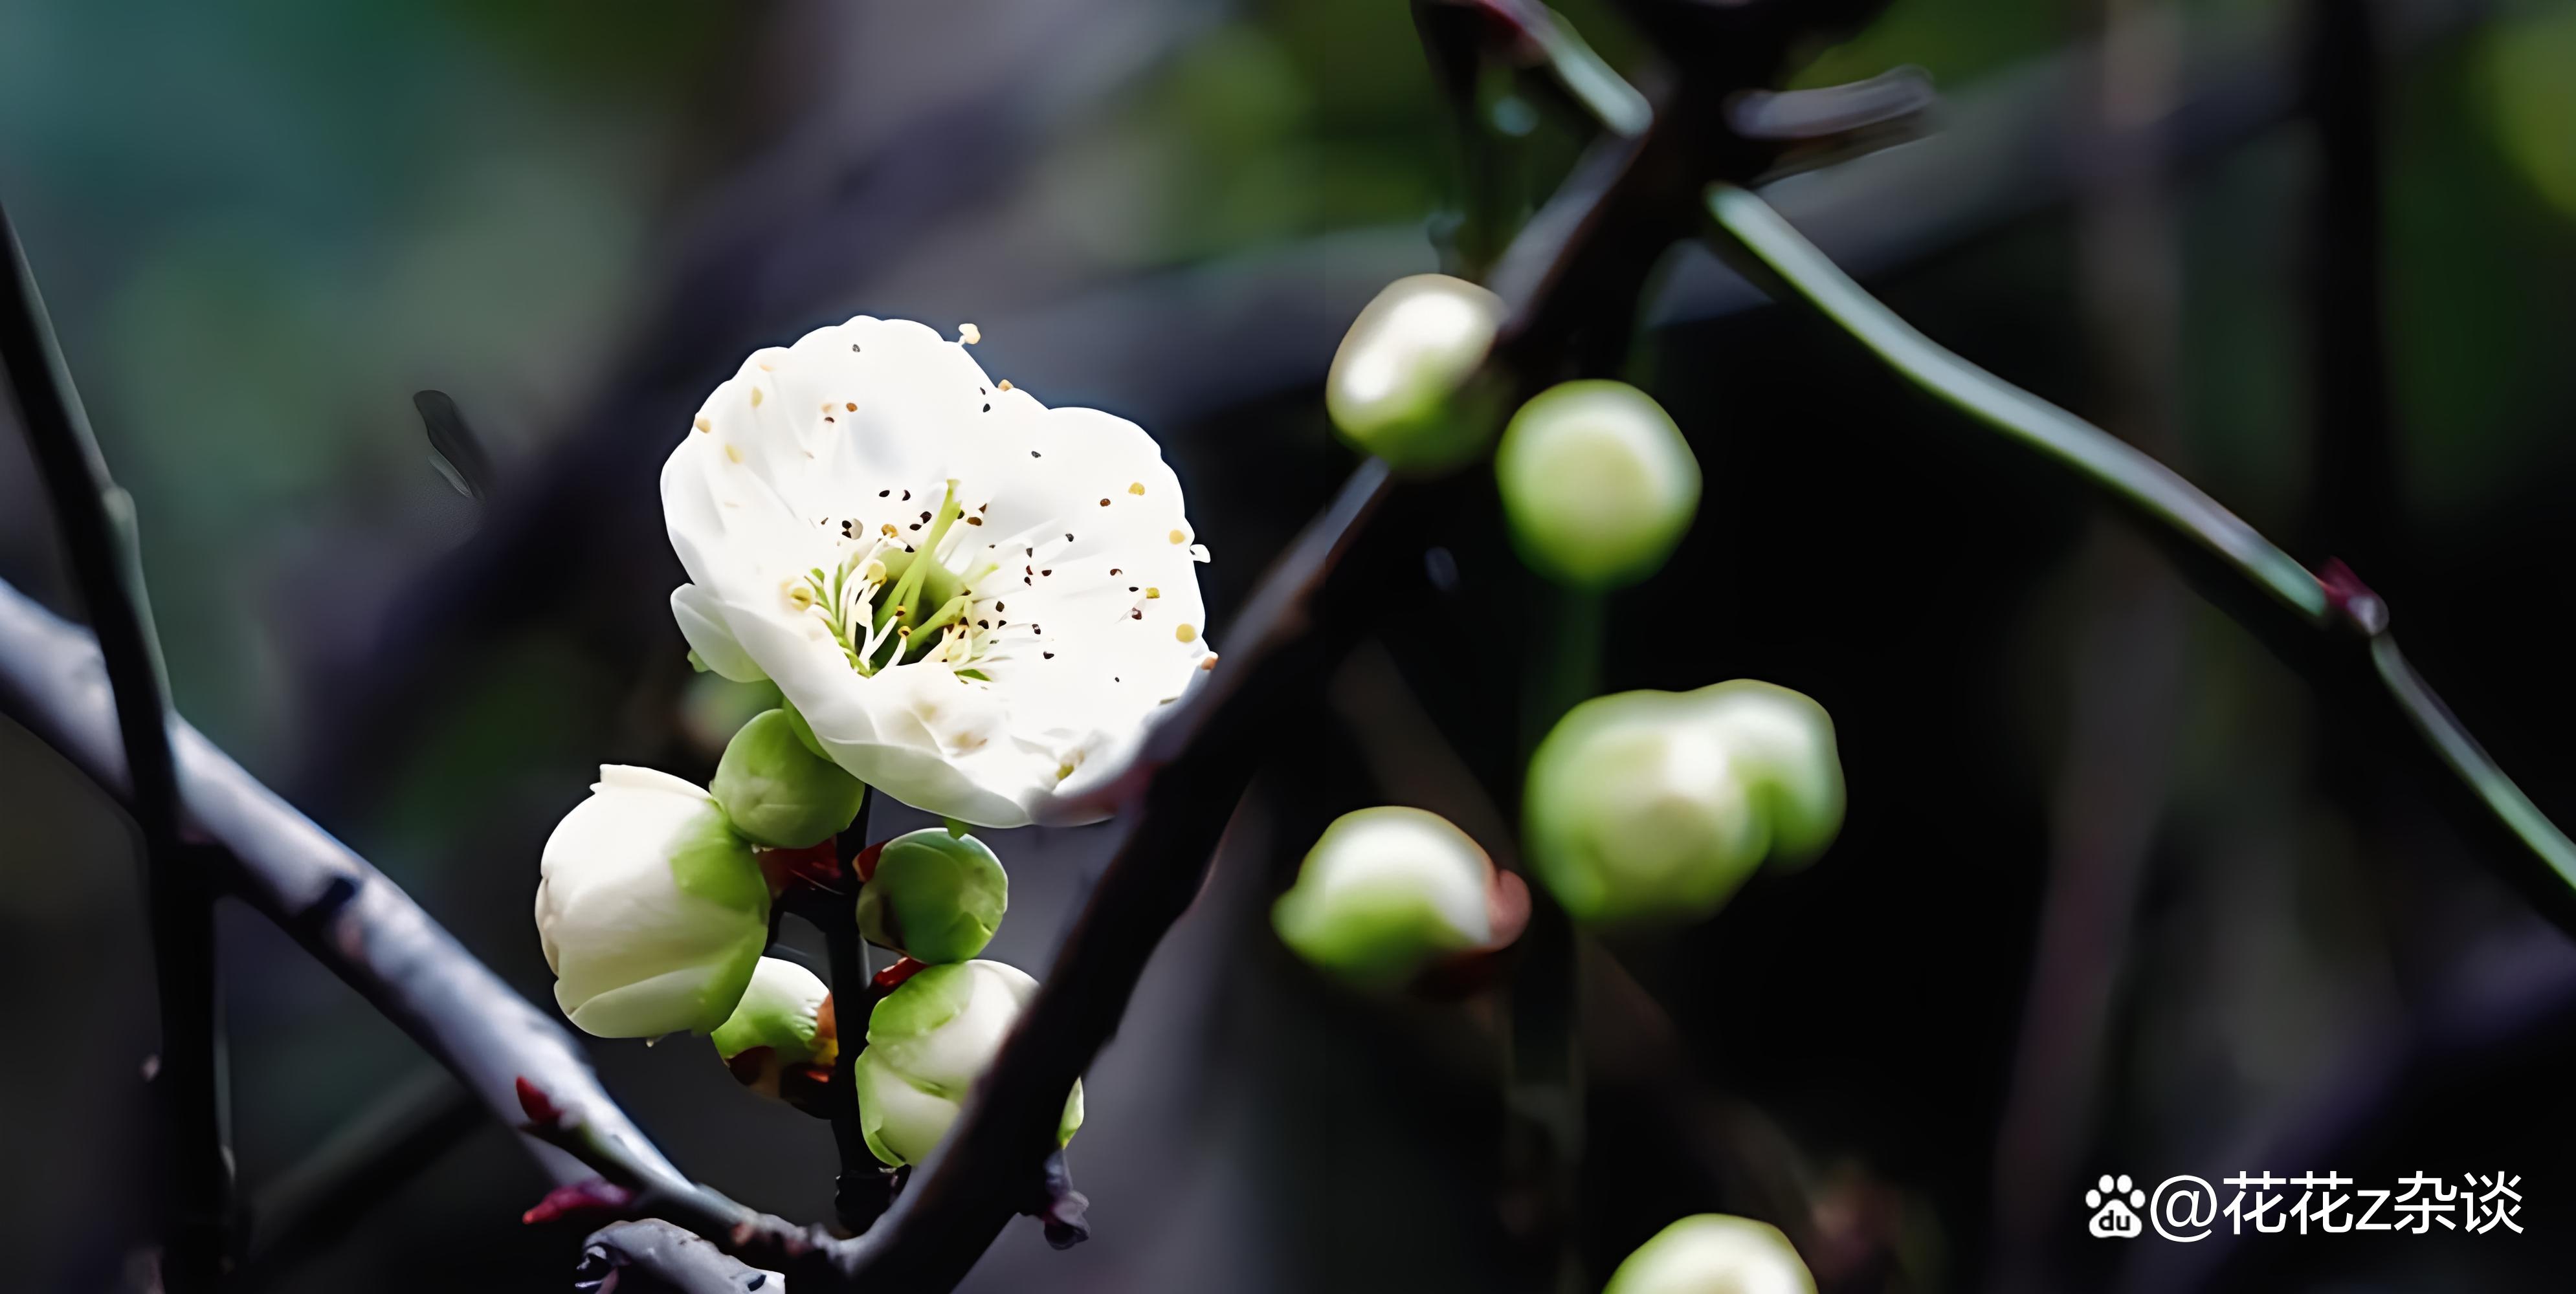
pixel 864 1188
pixel 655 1257
pixel 97 524
pixel 343 911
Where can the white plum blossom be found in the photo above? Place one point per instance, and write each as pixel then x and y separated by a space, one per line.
pixel 651 908
pixel 976 602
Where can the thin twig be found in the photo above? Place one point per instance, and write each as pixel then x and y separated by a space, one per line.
pixel 2333 607
pixel 97 523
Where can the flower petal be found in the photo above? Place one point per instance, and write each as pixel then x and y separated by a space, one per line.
pixel 701 624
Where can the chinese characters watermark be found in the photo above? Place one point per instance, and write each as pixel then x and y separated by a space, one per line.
pixel 2184 1208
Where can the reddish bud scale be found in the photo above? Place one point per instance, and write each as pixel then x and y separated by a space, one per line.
pixel 594 1196
pixel 903 969
pixel 817 865
pixel 866 863
pixel 539 1107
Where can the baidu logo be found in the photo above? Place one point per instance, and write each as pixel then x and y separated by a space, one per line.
pixel 2115 1204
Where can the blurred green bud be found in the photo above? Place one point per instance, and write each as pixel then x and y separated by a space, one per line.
pixel 651 908
pixel 1597 483
pixel 1714 1253
pixel 928 1041
pixel 1656 806
pixel 1782 743
pixel 935 896
pixel 778 791
pixel 781 1040
pixel 1384 893
pixel 1396 386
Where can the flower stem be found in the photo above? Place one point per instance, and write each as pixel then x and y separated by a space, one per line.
pixel 862 1191
pixel 2155 491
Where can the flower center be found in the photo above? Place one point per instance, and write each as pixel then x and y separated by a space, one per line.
pixel 912 590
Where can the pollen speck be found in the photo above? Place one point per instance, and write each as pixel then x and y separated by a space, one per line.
pixel 734 452
pixel 1136 487
pixel 849 406
pixel 1208 661
pixel 755 394
pixel 1003 385
pixel 1104 503
pixel 1177 536
pixel 1186 633
pixel 969 334
pixel 1153 593
pixel 704 425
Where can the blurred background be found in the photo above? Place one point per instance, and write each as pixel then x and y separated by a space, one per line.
pixel 2118 892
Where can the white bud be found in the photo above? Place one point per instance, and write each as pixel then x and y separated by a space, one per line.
pixel 1714 1253
pixel 650 907
pixel 1597 483
pixel 1386 891
pixel 1395 383
pixel 1656 806
pixel 928 1041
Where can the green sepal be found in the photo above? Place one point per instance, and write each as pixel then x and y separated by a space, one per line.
pixel 778 791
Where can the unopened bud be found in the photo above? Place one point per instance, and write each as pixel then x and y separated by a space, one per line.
pixel 778 791
pixel 928 1041
pixel 1597 483
pixel 1398 384
pixel 781 1040
pixel 1784 743
pixel 1384 893
pixel 1714 1253
pixel 935 896
pixel 1655 806
pixel 651 908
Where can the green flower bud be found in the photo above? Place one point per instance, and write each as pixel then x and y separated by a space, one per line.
pixel 1658 805
pixel 928 1041
pixel 1384 893
pixel 934 896
pixel 1714 1253
pixel 778 791
pixel 1784 744
pixel 1597 483
pixel 651 908
pixel 781 1040
pixel 1396 386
